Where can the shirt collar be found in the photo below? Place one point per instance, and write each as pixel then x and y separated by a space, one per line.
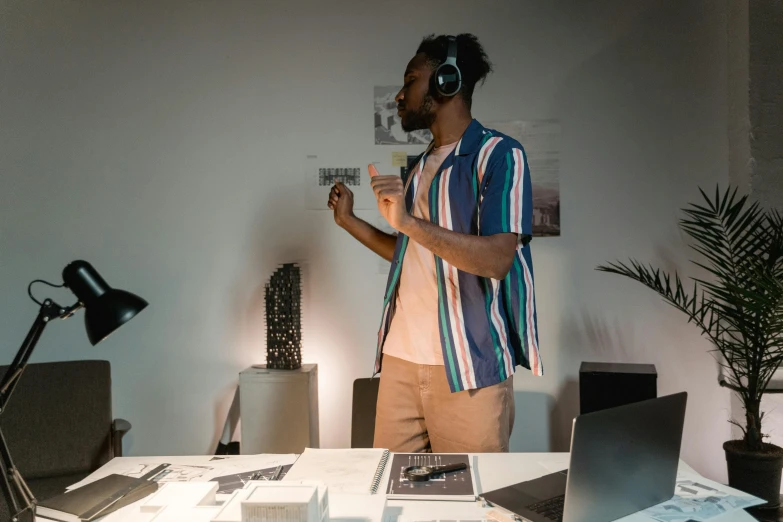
pixel 469 143
pixel 471 139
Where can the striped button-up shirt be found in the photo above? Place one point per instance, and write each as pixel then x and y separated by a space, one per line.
pixel 487 326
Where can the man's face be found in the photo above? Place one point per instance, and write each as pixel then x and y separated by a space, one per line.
pixel 415 106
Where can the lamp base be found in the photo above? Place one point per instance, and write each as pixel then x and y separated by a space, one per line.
pixel 25 516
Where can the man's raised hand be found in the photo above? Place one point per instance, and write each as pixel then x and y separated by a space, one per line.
pixel 389 195
pixel 341 201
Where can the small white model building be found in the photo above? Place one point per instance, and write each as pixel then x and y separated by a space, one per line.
pixel 290 503
pixel 265 501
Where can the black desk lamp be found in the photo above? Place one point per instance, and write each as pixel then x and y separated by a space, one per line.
pixel 106 309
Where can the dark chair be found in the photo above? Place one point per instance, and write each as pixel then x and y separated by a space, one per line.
pixel 58 425
pixel 365 395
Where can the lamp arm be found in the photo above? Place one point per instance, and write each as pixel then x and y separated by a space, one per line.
pixel 18 494
pixel 49 310
pixel 14 372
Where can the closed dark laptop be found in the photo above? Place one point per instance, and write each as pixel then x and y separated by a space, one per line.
pixel 623 460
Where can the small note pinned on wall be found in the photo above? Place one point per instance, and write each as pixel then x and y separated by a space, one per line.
pixel 399 159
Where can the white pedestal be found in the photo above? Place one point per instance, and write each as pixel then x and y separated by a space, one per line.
pixel 278 409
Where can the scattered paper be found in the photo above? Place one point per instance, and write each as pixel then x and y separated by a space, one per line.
pixel 697 498
pixel 171 473
pixel 137 467
pixel 180 469
pixel 230 483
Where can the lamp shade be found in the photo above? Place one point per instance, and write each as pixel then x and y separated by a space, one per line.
pixel 106 308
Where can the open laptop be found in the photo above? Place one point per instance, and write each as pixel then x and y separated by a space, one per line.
pixel 623 460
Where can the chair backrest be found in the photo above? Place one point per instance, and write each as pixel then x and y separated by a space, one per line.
pixel 365 395
pixel 58 420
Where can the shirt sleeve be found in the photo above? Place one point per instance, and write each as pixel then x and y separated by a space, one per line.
pixel 506 199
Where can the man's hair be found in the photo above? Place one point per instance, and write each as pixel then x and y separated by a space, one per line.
pixel 471 60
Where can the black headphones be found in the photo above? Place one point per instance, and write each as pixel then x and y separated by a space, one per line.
pixel 447 78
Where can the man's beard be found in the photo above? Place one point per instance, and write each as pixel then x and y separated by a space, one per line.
pixel 422 118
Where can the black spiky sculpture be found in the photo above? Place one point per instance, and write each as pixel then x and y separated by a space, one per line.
pixel 283 298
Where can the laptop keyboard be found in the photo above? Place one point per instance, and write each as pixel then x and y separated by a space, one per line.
pixel 552 508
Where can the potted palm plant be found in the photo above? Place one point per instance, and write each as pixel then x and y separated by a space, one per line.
pixel 738 306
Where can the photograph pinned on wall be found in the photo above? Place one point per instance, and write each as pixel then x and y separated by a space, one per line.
pixel 541 141
pixel 328 176
pixel 322 171
pixel 399 159
pixel 410 163
pixel 388 126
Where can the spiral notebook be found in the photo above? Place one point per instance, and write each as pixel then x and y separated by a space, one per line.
pixel 358 470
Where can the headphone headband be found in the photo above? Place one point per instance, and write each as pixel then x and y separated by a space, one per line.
pixel 451 57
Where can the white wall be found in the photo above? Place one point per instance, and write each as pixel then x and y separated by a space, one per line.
pixel 765 110
pixel 766 102
pixel 164 142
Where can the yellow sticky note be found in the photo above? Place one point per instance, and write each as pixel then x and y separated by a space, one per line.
pixel 399 159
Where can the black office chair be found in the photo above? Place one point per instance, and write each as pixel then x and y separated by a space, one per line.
pixel 365 395
pixel 59 426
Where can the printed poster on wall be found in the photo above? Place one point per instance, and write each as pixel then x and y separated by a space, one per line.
pixel 323 170
pixel 541 141
pixel 388 127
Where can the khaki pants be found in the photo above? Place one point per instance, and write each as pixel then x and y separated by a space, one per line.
pixel 417 412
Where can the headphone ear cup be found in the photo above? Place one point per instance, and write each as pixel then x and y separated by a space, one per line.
pixel 447 80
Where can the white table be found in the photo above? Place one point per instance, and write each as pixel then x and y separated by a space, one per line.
pixel 495 470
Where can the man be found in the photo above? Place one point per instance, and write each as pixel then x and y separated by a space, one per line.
pixel 459 310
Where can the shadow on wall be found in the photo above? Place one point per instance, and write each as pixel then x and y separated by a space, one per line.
pixel 226 419
pixel 246 311
pixel 619 182
pixel 604 340
pixel 532 433
pixel 268 250
pixel 562 413
pixel 626 89
pixel 588 337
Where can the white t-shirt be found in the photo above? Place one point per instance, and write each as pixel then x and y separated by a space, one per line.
pixel 414 334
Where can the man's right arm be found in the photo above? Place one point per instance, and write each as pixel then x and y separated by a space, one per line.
pixel 376 240
pixel 341 202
